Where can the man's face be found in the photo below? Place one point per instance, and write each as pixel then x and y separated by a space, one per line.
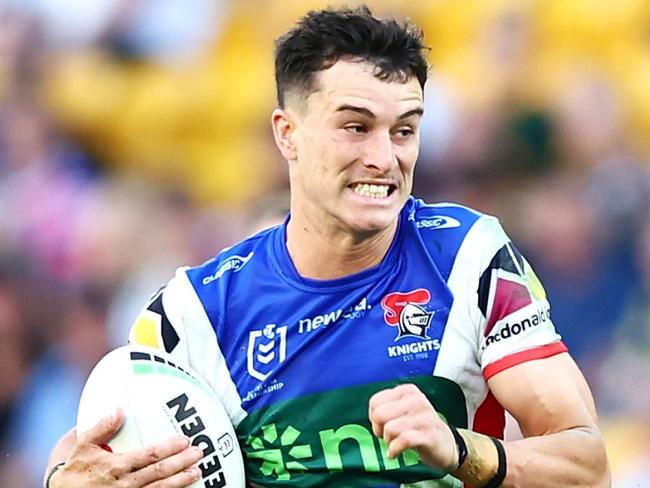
pixel 356 140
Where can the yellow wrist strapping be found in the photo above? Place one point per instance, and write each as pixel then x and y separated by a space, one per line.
pixel 482 461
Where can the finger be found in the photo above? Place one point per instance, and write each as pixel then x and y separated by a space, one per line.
pixel 104 430
pixel 424 420
pixel 383 396
pixel 170 466
pixel 390 410
pixel 397 393
pixel 396 427
pixel 385 413
pixel 407 439
pixel 377 428
pixel 179 480
pixel 146 456
pixel 377 402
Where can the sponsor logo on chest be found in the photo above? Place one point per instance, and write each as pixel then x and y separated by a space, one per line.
pixel 310 324
pixel 327 437
pixel 267 348
pixel 409 313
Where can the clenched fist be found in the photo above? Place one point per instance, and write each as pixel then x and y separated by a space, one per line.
pixel 404 418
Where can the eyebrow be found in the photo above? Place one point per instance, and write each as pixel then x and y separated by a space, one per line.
pixel 368 113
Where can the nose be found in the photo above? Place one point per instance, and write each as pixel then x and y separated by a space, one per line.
pixel 379 153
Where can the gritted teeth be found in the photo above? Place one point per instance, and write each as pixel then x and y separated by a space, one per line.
pixel 371 190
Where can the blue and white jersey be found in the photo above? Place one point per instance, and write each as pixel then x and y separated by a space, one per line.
pixel 295 360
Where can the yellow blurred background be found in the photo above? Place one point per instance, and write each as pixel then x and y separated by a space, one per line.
pixel 135 137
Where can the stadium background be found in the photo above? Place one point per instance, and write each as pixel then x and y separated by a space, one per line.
pixel 134 137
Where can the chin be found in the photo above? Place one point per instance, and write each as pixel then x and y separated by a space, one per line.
pixel 372 224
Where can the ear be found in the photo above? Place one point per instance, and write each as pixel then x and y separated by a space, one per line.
pixel 284 128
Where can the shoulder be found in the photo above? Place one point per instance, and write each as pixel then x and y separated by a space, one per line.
pixel 194 296
pixel 451 231
pixel 441 215
pixel 451 220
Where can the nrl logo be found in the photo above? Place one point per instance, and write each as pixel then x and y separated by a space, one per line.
pixel 405 311
pixel 267 348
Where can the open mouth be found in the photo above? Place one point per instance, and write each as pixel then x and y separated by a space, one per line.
pixel 373 190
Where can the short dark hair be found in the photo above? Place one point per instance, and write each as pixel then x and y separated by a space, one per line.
pixel 323 37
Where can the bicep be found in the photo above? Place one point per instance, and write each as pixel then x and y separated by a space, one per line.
pixel 546 395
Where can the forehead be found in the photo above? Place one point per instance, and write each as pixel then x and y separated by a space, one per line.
pixel 354 82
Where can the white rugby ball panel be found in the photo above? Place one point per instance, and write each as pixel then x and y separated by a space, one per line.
pixel 160 399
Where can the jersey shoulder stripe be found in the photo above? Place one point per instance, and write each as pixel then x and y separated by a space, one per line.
pixel 442 228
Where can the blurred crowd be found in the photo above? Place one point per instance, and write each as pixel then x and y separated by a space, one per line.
pixel 135 137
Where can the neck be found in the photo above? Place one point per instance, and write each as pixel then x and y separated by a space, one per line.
pixel 326 254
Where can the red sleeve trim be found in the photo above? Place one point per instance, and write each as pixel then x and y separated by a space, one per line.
pixel 540 352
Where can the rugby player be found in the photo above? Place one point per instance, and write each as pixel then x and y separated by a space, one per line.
pixel 371 339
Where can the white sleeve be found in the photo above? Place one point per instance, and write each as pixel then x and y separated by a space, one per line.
pixel 515 315
pixel 175 321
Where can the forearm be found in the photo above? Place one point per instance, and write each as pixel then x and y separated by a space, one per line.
pixel 574 457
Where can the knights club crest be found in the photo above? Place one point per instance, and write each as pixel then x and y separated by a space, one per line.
pixel 406 312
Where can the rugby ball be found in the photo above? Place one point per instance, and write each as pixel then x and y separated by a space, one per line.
pixel 161 399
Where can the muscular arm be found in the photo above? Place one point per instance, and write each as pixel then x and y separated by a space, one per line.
pixel 552 403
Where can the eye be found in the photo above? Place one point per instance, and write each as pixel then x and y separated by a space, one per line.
pixel 356 128
pixel 404 132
